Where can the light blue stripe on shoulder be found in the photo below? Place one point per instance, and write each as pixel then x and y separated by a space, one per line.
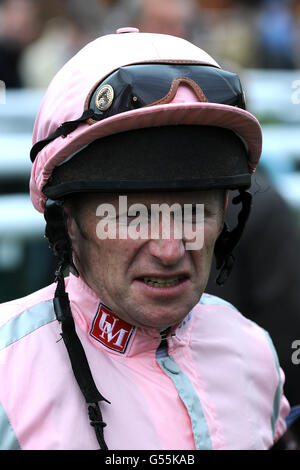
pixel 207 299
pixel 27 322
pixel 277 396
pixel 191 401
pixel 8 439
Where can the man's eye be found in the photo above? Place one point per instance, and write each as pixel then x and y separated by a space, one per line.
pixel 121 219
pixel 208 213
pixel 126 219
pixel 194 215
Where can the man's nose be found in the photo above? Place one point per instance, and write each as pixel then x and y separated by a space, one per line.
pixel 168 251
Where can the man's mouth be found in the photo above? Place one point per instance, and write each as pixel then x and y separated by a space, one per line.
pixel 156 281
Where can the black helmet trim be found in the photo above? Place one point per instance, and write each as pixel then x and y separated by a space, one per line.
pixel 183 157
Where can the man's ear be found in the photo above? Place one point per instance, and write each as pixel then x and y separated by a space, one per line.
pixel 226 200
pixel 70 222
pixel 73 232
pixel 222 224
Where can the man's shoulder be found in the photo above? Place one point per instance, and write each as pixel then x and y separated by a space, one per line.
pixel 208 299
pixel 223 316
pixel 17 307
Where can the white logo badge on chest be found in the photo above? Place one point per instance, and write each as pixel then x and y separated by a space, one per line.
pixel 110 330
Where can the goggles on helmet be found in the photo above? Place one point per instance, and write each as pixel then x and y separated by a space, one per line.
pixel 137 86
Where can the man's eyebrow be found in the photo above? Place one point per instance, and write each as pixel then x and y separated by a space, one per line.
pixel 149 205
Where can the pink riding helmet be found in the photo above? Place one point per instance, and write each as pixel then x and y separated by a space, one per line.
pixel 77 86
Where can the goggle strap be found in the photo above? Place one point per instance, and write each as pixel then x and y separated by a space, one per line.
pixel 62 131
pixel 69 126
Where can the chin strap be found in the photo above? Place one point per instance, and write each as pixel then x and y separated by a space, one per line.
pixel 60 243
pixel 227 239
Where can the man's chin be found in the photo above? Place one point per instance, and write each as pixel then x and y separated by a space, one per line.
pixel 159 318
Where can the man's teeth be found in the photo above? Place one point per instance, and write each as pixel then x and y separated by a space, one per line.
pixel 162 281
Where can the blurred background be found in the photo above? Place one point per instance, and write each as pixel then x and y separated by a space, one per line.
pixel 260 40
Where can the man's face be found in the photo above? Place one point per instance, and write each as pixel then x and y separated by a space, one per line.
pixel 149 282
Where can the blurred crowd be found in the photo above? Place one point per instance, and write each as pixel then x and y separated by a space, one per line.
pixel 38 37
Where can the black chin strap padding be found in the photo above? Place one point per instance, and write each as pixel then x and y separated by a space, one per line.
pixel 57 233
pixel 62 131
pixel 78 359
pixel 227 239
pixel 59 240
pixel 226 269
pixel 96 421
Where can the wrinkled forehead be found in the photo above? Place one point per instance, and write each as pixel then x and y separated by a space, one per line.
pixel 170 197
pixel 90 201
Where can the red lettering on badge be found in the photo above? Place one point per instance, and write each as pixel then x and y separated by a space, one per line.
pixel 110 330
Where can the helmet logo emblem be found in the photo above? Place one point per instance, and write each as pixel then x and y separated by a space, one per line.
pixel 104 97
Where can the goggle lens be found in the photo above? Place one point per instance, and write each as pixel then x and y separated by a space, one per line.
pixel 136 86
